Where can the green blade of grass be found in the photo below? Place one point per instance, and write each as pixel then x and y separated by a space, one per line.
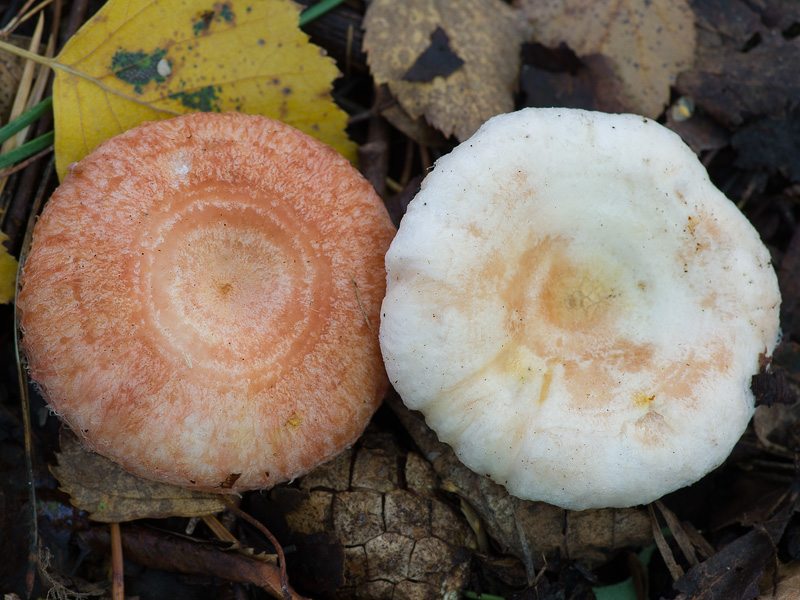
pixel 317 10
pixel 21 122
pixel 27 149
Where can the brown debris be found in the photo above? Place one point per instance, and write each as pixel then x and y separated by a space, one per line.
pixel 531 531
pixel 645 41
pixel 163 551
pixel 111 494
pixel 397 540
pixel 484 34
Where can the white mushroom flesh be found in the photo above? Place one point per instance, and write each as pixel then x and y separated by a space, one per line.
pixel 577 310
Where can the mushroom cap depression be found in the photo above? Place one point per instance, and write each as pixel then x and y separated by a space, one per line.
pixel 577 310
pixel 201 301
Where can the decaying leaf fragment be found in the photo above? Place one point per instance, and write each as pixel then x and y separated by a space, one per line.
pixel 159 58
pixel 647 41
pixel 110 494
pixel 455 62
pixel 168 552
pixel 734 86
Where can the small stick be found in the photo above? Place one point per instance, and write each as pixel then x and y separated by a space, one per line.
pixel 117 570
pixel 21 165
pixel 287 594
pixel 661 543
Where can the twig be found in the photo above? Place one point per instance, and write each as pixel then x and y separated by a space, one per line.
pixel 22 376
pixel 19 166
pixel 117 567
pixel 21 18
pixel 661 543
pixel 287 594
pixel 676 528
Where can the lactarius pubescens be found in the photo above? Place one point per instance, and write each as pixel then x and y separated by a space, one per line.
pixel 577 310
pixel 201 301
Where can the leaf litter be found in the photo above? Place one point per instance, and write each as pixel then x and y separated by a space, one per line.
pixel 453 62
pixel 196 56
pixel 747 136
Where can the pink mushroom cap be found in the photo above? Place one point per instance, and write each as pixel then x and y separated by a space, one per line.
pixel 201 301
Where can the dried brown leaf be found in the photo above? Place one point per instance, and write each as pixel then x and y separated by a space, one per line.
pixel 110 494
pixel 647 41
pixel 786 586
pixel 427 41
pixel 724 23
pixel 734 571
pixel 10 76
pixel 733 86
pixel 171 553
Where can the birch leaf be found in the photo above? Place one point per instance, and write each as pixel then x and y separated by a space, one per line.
pixel 151 59
pixel 455 62
pixel 647 41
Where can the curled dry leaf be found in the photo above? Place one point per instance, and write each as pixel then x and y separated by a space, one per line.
pixel 167 552
pixel 160 58
pixel 647 41
pixel 110 494
pixel 532 531
pixel 453 62
pixel 785 585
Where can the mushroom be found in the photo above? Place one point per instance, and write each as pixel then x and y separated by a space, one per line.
pixel 577 310
pixel 201 301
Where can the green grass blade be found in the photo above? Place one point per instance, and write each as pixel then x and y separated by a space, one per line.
pixel 27 149
pixel 21 122
pixel 317 10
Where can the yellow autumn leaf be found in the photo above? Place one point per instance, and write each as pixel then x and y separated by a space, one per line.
pixel 151 59
pixel 8 272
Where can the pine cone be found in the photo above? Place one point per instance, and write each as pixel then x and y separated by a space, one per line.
pixel 401 538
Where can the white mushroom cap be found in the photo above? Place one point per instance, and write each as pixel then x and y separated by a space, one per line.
pixel 577 310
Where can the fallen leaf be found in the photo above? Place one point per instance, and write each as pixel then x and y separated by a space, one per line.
pixel 438 60
pixel 8 272
pixel 784 586
pixel 556 77
pixel 700 132
pixel 771 145
pixel 171 553
pixel 734 571
pixel 732 87
pixel 110 494
pixel 455 62
pixel 647 41
pixel 153 59
pixel 725 23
